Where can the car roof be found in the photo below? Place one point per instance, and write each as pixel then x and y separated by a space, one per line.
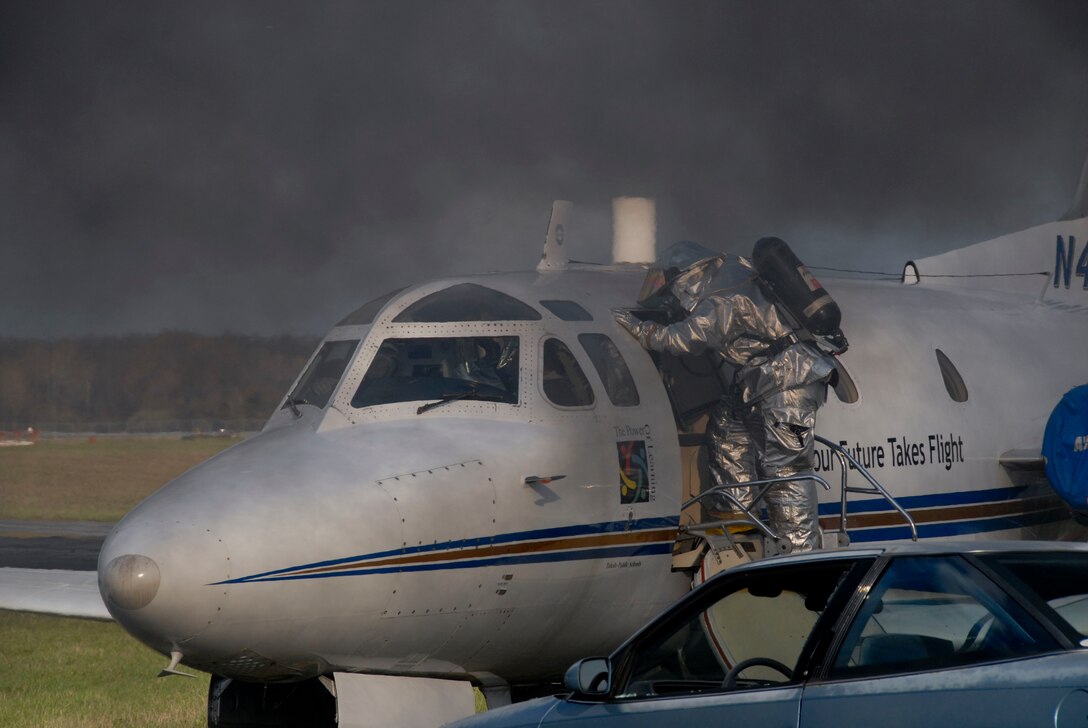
pixel 963 547
pixel 927 548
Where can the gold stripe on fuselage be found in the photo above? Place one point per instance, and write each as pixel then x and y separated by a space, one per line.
pixel 480 552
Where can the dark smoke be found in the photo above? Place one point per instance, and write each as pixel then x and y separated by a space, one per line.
pixel 266 166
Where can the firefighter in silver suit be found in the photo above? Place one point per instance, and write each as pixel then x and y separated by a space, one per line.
pixel 764 427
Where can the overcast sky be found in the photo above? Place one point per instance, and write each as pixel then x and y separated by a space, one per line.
pixel 264 167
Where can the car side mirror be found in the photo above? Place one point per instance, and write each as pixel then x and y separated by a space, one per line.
pixel 591 676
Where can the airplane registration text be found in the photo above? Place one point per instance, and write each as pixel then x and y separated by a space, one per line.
pixel 1063 263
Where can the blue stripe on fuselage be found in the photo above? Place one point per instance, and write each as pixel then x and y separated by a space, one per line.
pixel 589 529
pixel 538 558
pixel 958 498
pixel 943 529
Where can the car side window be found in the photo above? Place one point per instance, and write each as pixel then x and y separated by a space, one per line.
pixel 752 635
pixel 932 612
pixel 1057 583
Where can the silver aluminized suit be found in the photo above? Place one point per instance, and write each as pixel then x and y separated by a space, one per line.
pixel 766 431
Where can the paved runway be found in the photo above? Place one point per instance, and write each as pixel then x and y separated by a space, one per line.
pixel 71 545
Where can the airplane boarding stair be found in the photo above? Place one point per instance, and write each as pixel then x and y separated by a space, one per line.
pixel 739 534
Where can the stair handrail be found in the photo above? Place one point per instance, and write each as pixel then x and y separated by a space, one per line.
pixel 844 456
pixel 760 488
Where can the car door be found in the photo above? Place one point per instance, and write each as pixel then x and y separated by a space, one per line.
pixel 937 643
pixel 733 654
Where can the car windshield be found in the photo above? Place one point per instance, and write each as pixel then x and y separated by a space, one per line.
pixel 467 367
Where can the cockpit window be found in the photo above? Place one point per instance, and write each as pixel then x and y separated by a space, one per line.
pixel 467 302
pixel 365 314
pixel 565 384
pixel 567 310
pixel 319 381
pixel 469 367
pixel 611 368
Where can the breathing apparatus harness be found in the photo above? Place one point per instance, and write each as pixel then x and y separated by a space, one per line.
pixel 800 301
pixel 804 303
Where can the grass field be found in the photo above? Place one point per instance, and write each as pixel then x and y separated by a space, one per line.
pixel 57 672
pixel 68 672
pixel 84 480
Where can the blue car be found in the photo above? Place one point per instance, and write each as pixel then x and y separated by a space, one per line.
pixel 917 635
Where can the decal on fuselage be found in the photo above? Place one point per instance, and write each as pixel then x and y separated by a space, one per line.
pixel 944 450
pixel 638 482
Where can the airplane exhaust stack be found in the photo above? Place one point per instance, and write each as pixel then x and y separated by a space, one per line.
pixel 634 230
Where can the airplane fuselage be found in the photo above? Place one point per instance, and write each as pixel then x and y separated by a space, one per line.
pixel 529 519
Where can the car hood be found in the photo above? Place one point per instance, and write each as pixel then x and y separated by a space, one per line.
pixel 520 715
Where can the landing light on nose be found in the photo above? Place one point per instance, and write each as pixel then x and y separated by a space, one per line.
pixel 130 581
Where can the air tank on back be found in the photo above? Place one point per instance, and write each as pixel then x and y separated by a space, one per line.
pixel 795 287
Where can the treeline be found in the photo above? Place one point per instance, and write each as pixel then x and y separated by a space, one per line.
pixel 136 381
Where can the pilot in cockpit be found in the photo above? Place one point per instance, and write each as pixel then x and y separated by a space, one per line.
pixel 476 360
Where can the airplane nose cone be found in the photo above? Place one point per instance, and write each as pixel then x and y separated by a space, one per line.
pixel 159 578
pixel 130 581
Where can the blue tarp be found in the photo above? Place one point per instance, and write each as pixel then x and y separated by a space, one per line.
pixel 1065 447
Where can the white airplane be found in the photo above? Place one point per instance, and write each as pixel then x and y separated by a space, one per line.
pixel 479 479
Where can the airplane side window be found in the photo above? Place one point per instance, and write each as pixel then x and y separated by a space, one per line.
pixel 317 383
pixel 567 310
pixel 365 314
pixel 953 382
pixel 565 384
pixel 611 368
pixel 463 368
pixel 843 384
pixel 467 302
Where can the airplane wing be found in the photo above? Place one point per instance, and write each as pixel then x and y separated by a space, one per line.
pixel 52 591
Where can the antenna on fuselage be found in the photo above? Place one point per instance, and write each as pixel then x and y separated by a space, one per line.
pixel 554 256
pixel 634 233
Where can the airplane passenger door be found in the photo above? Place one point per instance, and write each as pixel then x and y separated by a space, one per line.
pixel 694 384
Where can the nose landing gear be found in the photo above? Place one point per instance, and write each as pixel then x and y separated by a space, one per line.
pixel 236 704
